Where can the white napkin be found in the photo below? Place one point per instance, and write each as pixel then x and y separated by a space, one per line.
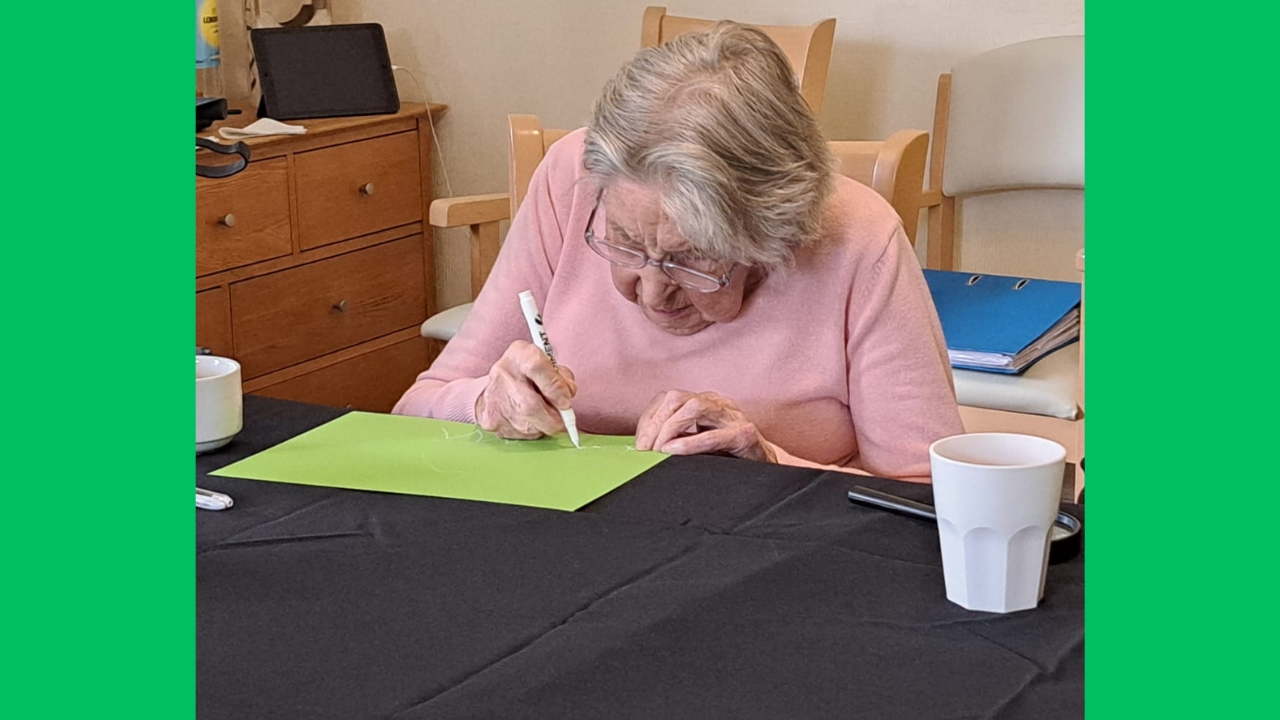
pixel 260 128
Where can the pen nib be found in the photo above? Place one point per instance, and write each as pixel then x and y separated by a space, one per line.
pixel 573 437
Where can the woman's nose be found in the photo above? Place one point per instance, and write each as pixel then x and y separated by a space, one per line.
pixel 655 285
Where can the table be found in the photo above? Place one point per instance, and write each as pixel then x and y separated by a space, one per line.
pixel 707 587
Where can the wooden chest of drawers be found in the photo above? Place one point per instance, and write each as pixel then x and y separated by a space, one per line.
pixel 314 266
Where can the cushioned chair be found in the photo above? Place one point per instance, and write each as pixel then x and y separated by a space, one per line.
pixel 894 168
pixel 1012 119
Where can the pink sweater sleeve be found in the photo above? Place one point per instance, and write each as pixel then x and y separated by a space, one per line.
pixel 449 389
pixel 901 395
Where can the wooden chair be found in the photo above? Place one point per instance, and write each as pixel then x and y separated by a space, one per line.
pixel 894 168
pixel 807 47
pixel 1012 119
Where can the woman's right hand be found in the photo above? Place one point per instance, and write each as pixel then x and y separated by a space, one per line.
pixel 525 394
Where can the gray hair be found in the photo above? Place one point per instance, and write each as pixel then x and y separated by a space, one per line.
pixel 717 120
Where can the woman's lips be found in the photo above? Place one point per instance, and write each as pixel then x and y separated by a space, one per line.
pixel 668 313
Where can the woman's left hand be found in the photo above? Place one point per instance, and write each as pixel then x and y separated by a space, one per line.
pixel 684 423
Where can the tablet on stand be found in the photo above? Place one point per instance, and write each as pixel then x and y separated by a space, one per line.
pixel 324 71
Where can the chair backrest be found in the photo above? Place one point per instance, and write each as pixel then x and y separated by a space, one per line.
pixel 894 167
pixel 808 47
pixel 527 144
pixel 1009 119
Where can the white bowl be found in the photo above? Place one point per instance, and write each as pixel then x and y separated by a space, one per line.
pixel 219 402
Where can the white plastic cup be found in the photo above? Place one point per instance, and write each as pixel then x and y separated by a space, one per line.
pixel 219 402
pixel 996 496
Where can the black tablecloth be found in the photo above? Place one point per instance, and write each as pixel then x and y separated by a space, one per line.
pixel 706 588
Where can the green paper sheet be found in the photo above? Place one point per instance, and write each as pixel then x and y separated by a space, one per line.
pixel 417 456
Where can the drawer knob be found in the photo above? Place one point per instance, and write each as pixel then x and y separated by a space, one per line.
pixel 229 220
pixel 340 306
pixel 366 189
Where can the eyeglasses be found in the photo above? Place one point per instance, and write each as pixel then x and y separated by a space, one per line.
pixel 634 259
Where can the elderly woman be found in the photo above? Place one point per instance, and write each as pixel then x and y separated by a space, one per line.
pixel 709 283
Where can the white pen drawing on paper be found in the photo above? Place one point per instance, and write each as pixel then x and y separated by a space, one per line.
pixel 480 436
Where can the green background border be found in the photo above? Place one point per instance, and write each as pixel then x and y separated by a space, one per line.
pixel 1181 489
pixel 99 580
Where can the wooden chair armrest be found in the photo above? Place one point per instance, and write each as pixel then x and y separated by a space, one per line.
pixel 480 214
pixel 469 210
pixel 902 160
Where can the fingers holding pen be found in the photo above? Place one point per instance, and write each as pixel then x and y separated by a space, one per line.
pixel 524 395
pixel 556 384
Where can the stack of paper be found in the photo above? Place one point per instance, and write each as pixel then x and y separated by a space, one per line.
pixel 1003 324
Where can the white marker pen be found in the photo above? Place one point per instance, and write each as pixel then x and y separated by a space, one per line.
pixel 209 500
pixel 534 319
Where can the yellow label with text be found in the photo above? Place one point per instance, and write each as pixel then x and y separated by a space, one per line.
pixel 209 22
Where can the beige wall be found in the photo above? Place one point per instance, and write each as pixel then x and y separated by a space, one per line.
pixel 488 58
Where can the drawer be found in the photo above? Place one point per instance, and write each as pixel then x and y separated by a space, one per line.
pixel 311 310
pixel 213 321
pixel 372 382
pixel 358 188
pixel 243 219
